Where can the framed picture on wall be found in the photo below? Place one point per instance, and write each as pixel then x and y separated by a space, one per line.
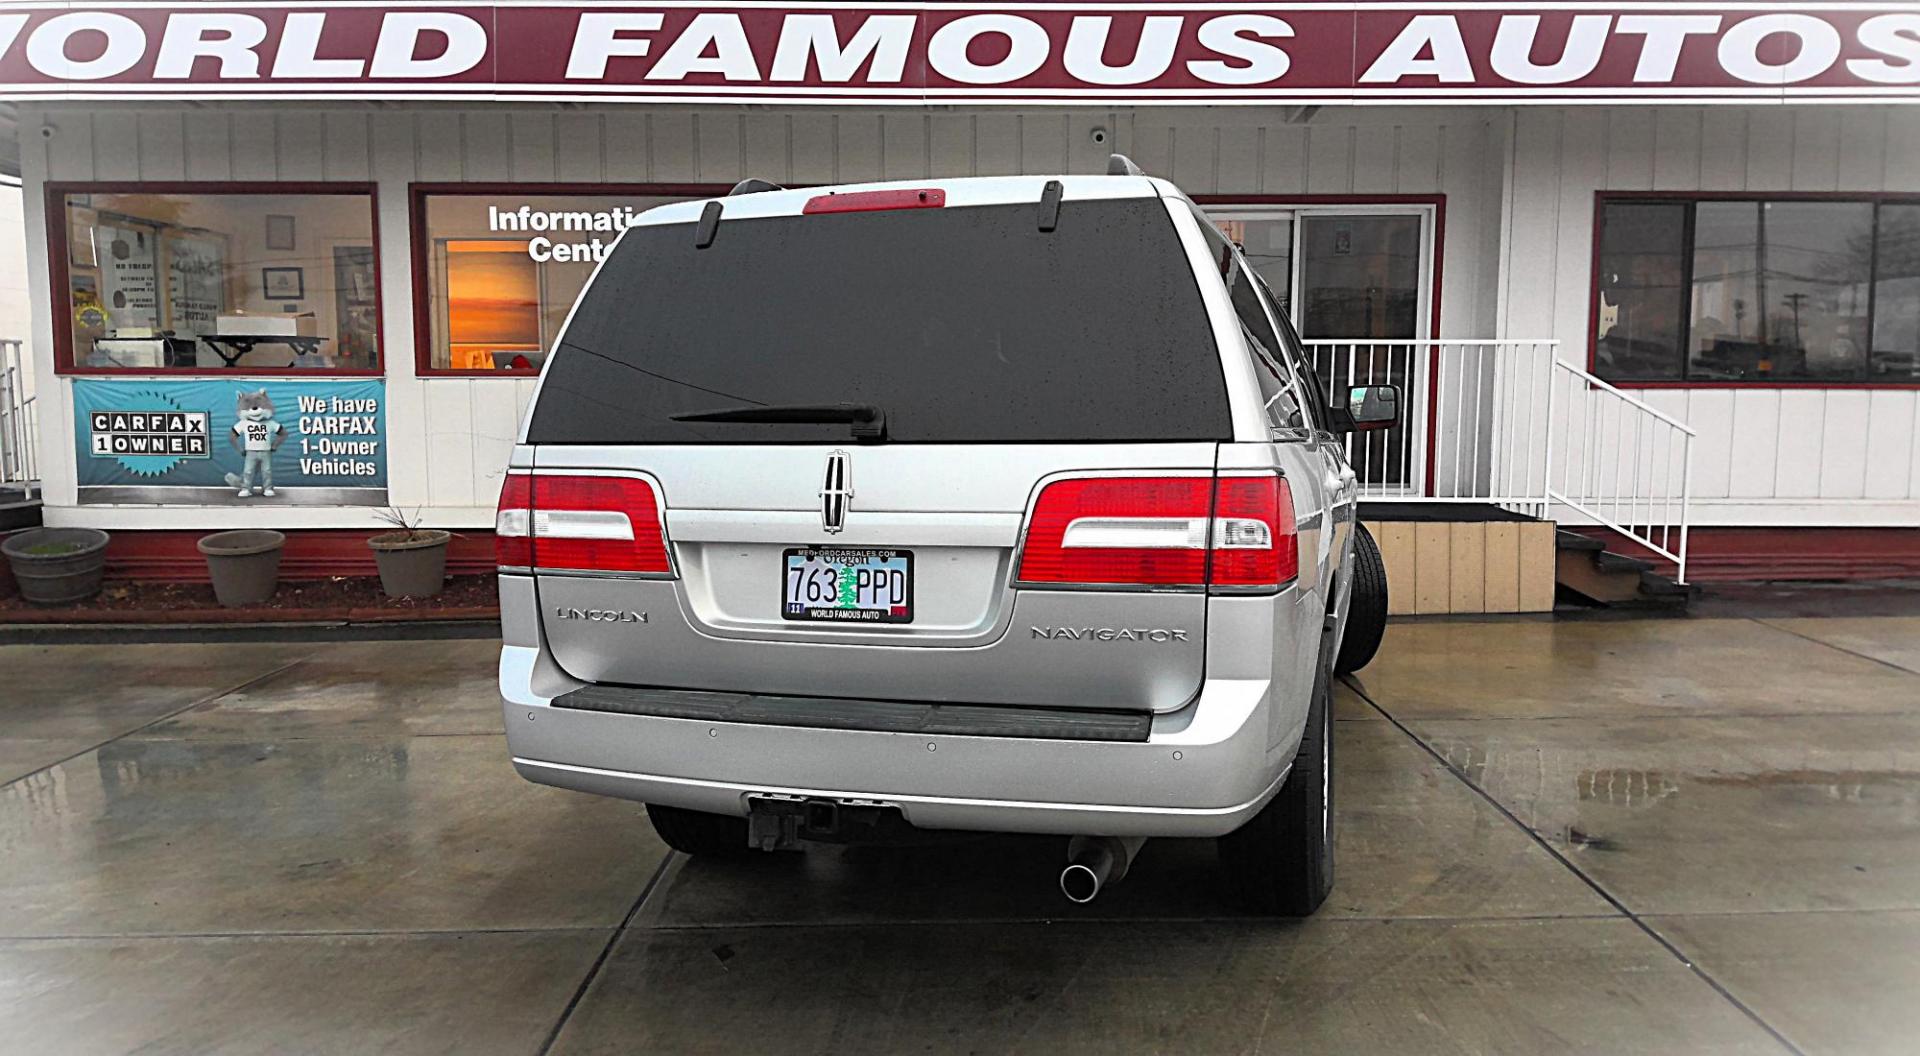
pixel 284 284
pixel 279 231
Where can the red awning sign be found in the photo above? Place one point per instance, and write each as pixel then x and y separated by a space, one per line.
pixel 1023 53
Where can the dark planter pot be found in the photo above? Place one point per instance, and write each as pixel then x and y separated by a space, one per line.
pixel 244 564
pixel 57 566
pixel 412 564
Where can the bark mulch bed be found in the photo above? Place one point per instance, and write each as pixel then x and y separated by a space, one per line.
pixel 353 599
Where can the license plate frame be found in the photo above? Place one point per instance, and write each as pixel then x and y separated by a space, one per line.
pixel 845 558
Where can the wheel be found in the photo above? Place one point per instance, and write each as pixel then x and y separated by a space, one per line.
pixel 698 833
pixel 1366 605
pixel 1281 861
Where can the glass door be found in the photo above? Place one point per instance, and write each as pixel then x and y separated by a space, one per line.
pixel 1361 276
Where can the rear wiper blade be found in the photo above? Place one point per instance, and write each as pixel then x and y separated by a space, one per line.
pixel 868 421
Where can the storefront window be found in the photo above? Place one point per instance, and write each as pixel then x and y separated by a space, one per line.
pixel 1754 291
pixel 503 269
pixel 215 281
pixel 1896 292
pixel 1642 282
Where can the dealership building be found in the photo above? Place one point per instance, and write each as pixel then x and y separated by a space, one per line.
pixel 1650 270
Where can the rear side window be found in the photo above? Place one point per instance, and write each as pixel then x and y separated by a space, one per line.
pixel 1251 306
pixel 964 325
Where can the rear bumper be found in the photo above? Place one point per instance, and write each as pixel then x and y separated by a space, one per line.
pixel 1202 771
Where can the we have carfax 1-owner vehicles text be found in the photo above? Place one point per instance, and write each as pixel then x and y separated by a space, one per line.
pixel 993 504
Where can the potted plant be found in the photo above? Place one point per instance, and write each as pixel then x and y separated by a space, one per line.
pixel 57 566
pixel 412 559
pixel 244 564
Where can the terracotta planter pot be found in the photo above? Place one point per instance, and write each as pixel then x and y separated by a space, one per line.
pixel 244 564
pixel 412 564
pixel 57 566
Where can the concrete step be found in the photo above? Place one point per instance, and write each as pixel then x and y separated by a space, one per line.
pixel 1587 572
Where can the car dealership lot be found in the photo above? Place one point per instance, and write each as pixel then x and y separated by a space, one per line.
pixel 1654 835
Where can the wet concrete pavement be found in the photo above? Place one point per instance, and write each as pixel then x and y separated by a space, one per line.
pixel 1649 836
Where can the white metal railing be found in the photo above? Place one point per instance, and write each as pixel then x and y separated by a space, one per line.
pixel 1616 461
pixel 1471 410
pixel 18 428
pixel 1509 423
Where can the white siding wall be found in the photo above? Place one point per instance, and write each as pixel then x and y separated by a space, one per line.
pixel 1350 154
pixel 449 437
pixel 1764 456
pixel 14 314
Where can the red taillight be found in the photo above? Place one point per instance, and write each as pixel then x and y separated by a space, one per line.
pixel 581 523
pixel 1235 532
pixel 597 524
pixel 1119 530
pixel 513 523
pixel 1254 538
pixel 876 201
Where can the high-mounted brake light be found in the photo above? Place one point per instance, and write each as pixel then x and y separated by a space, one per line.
pixel 876 201
pixel 1233 532
pixel 581 523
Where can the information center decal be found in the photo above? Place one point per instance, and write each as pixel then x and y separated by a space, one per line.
pixel 244 442
pixel 1154 51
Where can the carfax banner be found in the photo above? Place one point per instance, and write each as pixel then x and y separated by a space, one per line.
pixel 837 52
pixel 244 442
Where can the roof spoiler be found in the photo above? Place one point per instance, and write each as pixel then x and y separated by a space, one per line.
pixel 1121 165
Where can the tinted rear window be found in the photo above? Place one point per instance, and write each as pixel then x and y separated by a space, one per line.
pixel 964 325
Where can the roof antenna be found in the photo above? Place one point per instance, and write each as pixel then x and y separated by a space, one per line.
pixel 1050 205
pixel 752 185
pixel 1121 165
pixel 708 226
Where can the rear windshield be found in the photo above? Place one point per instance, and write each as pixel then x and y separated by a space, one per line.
pixel 962 325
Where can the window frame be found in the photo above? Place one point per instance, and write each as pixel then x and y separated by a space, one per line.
pixel 420 256
pixel 1601 199
pixel 60 281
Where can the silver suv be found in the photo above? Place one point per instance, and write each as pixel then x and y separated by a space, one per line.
pixel 995 504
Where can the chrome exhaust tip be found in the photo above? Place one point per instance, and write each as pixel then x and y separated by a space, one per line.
pixel 1093 862
pixel 1081 882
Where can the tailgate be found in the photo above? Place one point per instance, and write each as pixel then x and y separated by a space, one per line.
pixel 734 518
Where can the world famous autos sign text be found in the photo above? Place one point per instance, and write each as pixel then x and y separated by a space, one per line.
pixel 220 442
pixel 1160 52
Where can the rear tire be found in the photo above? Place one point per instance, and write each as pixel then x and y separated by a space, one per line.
pixel 1281 861
pixel 698 833
pixel 1366 605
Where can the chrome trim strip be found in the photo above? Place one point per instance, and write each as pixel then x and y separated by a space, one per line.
pixel 593 573
pixel 1116 588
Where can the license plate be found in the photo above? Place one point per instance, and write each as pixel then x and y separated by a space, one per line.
pixel 850 584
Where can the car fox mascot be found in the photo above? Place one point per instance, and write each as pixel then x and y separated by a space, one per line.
pixel 256 436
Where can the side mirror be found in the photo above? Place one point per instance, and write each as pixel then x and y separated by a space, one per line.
pixel 1369 407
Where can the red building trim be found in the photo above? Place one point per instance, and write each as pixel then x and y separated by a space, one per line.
pixel 1724 555
pixel 61 282
pixel 1714 554
pixel 417 194
pixel 1600 200
pixel 168 555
